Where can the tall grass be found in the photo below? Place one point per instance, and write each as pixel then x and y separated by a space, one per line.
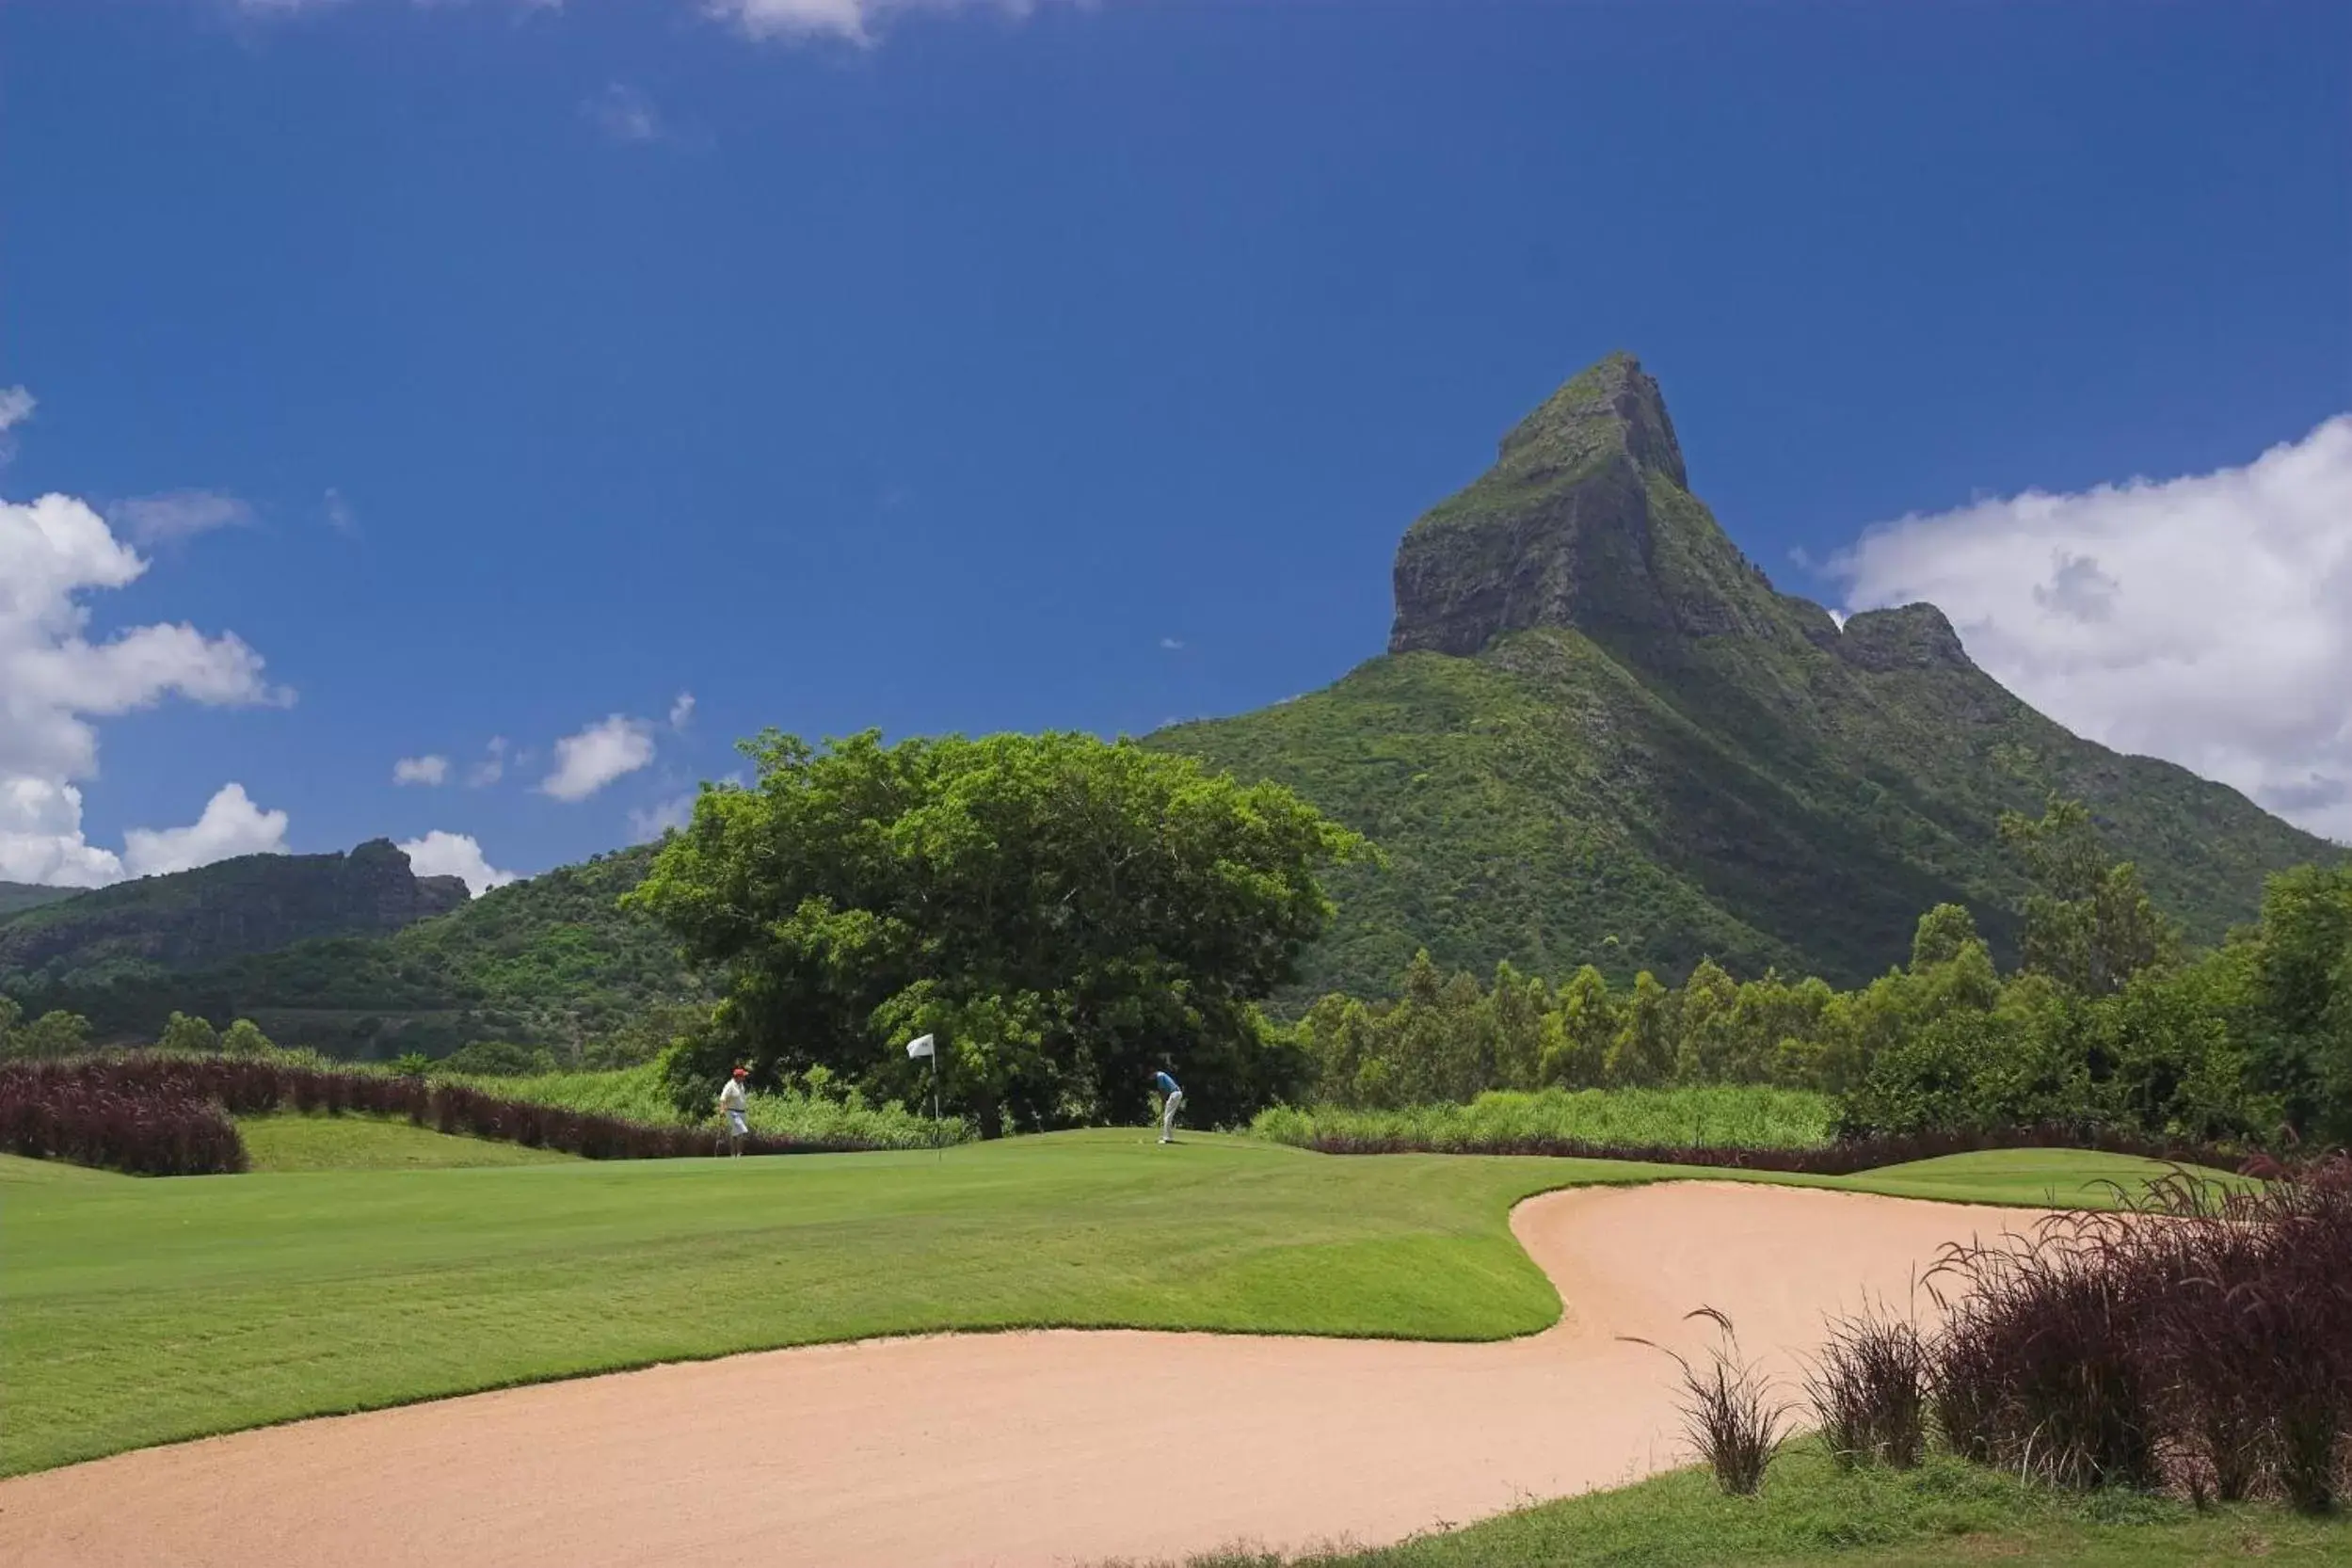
pixel 1728 1412
pixel 1717 1116
pixel 1727 1126
pixel 1869 1388
pixel 2200 1338
pixel 638 1094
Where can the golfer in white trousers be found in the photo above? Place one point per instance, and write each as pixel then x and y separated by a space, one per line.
pixel 1168 1108
pixel 731 1107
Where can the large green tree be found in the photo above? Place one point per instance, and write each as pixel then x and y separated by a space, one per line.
pixel 1064 914
pixel 2089 923
pixel 55 1033
pixel 2296 1002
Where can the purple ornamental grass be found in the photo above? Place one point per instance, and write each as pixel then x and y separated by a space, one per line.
pixel 2199 1340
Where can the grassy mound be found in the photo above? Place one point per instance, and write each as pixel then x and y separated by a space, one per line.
pixel 1812 1515
pixel 289 1141
pixel 224 1303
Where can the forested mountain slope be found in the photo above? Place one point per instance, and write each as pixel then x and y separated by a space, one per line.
pixel 552 960
pixel 1600 734
pixel 16 897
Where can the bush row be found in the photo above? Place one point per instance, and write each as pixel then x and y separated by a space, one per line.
pixel 169 1115
pixel 46 1114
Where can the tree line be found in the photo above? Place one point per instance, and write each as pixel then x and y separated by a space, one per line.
pixel 2107 1022
pixel 57 1034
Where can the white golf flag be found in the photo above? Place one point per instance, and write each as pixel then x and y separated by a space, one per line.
pixel 919 1046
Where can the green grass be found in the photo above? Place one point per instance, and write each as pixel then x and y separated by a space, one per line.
pixel 17 1171
pixel 637 1095
pixel 1719 1116
pixel 218 1302
pixel 291 1141
pixel 1811 1515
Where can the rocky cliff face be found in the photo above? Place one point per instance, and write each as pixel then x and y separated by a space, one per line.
pixel 1587 521
pixel 252 903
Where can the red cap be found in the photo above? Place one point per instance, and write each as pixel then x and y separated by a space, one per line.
pixel 743 1072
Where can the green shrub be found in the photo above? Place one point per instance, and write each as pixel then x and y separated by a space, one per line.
pixel 188 1036
pixel 244 1038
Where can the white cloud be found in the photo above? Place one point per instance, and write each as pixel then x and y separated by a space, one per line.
pixel 587 761
pixel 626 115
pixel 491 768
pixel 154 520
pixel 40 837
pixel 54 553
pixel 231 825
pixel 1171 644
pixel 16 407
pixel 439 853
pixel 2204 619
pixel 646 824
pixel 682 711
pixel 340 517
pixel 427 771
pixel 852 20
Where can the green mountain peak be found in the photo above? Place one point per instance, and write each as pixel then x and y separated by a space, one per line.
pixel 1613 405
pixel 1585 521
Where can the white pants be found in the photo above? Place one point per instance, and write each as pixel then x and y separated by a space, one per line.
pixel 1167 1115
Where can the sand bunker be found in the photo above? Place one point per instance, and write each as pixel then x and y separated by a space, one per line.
pixel 1024 1448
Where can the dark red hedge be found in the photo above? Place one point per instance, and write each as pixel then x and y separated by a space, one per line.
pixel 164 1115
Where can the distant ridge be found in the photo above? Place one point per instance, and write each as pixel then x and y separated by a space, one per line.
pixel 552 960
pixel 249 905
pixel 16 896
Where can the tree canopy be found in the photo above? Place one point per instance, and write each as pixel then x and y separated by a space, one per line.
pixel 2089 923
pixel 1063 913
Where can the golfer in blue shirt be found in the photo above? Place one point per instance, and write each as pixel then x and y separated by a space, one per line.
pixel 1167 1086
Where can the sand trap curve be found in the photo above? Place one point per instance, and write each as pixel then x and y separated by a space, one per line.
pixel 1023 1449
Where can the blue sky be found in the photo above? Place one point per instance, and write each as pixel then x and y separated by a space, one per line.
pixel 505 368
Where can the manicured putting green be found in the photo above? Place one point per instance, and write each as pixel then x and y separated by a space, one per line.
pixel 288 1142
pixel 135 1312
